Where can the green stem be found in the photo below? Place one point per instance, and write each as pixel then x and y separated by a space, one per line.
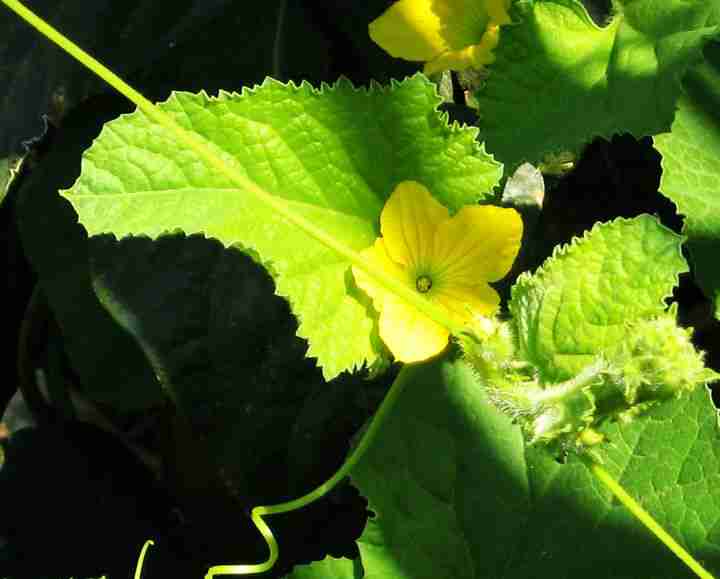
pixel 201 149
pixel 141 560
pixel 645 518
pixel 558 392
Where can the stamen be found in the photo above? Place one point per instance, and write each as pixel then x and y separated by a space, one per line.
pixel 423 284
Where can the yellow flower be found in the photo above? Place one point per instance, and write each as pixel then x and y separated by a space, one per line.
pixel 448 260
pixel 445 34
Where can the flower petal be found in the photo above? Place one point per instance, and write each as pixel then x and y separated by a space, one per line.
pixel 478 244
pixel 464 302
pixel 408 223
pixel 473 56
pixel 410 335
pixel 408 30
pixel 377 257
pixel 421 30
pixel 498 11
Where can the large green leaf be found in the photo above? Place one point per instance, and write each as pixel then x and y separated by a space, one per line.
pixel 334 155
pixel 442 465
pixel 578 304
pixel 691 168
pixel 559 80
pixel 455 494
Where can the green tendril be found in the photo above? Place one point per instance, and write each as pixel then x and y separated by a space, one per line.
pixel 141 560
pixel 319 492
pixel 258 513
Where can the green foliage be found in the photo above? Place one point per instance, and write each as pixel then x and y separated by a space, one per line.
pixel 166 281
pixel 335 155
pixel 455 493
pixel 328 568
pixel 439 469
pixel 223 347
pixel 559 80
pixel 60 257
pixel 580 302
pixel 691 167
pixel 594 343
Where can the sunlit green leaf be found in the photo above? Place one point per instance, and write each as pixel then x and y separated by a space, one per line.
pixel 335 155
pixel 578 304
pixel 559 80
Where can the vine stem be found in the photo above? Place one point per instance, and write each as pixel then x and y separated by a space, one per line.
pixel 202 150
pixel 644 517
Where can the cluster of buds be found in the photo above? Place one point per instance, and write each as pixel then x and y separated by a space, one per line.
pixel 655 362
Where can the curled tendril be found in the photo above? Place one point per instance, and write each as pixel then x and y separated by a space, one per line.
pixel 257 513
pixel 141 559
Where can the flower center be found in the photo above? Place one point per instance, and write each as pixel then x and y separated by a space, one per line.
pixel 423 284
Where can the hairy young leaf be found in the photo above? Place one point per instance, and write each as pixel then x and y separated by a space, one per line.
pixel 334 155
pixel 559 80
pixel 455 494
pixel 579 302
pixel 691 167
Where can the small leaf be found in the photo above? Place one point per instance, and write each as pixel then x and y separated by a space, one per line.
pixel 9 169
pixel 580 302
pixel 334 155
pixel 559 80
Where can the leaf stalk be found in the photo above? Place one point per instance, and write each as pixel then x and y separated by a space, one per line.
pixel 644 517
